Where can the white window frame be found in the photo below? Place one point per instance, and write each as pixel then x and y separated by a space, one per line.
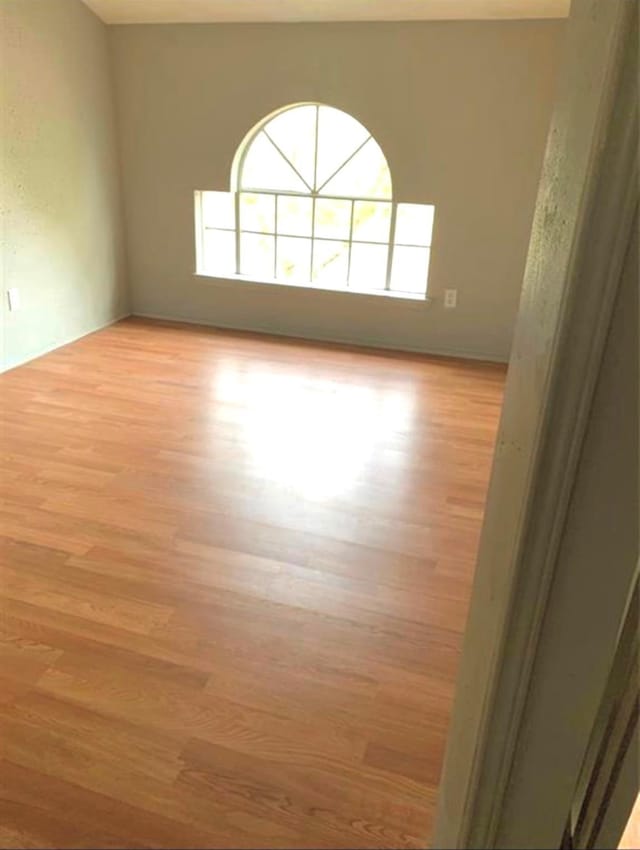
pixel 314 194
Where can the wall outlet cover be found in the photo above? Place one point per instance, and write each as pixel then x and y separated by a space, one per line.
pixel 13 297
pixel 450 298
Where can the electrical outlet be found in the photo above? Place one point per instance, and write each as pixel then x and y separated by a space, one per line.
pixel 450 298
pixel 13 297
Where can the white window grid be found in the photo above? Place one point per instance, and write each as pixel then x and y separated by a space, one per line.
pixel 348 239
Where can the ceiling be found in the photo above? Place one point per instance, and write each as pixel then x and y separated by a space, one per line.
pixel 201 11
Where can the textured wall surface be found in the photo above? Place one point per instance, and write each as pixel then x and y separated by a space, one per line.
pixel 61 237
pixel 461 109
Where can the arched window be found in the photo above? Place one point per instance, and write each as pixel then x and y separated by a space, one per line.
pixel 311 204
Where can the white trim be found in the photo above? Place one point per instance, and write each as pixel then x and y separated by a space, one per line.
pixel 234 279
pixel 270 11
pixel 199 229
pixel 584 215
pixel 50 348
pixel 363 342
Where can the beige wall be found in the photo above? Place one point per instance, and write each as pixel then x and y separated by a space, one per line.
pixel 61 237
pixel 460 109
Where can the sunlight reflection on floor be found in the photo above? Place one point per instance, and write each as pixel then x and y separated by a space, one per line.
pixel 313 435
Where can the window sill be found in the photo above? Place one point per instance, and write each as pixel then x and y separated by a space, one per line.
pixel 234 279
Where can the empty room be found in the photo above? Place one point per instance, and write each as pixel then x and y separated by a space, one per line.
pixel 262 262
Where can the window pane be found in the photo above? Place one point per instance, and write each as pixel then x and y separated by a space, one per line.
pixel 257 255
pixel 330 263
pixel 294 259
pixel 218 209
pixel 414 224
pixel 365 176
pixel 219 249
pixel 294 132
pixel 368 266
pixel 265 168
pixel 333 218
pixel 294 215
pixel 409 269
pixel 257 212
pixel 338 137
pixel 371 221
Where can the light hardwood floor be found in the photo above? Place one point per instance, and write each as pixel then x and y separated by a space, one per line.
pixel 234 577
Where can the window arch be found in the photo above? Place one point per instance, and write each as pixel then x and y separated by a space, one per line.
pixel 311 204
pixel 316 150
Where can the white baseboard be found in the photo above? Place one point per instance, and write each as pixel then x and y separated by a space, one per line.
pixel 50 348
pixel 361 343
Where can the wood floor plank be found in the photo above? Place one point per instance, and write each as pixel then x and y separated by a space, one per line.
pixel 67 596
pixel 150 701
pixel 87 763
pixel 97 741
pixel 21 827
pixel 135 826
pixel 234 577
pixel 328 808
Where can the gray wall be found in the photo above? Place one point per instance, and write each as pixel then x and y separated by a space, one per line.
pixel 61 237
pixel 461 110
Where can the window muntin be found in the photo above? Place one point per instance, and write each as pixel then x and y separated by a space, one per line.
pixel 313 206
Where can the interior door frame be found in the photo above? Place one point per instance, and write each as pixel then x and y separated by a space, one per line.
pixel 585 214
pixel 610 776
